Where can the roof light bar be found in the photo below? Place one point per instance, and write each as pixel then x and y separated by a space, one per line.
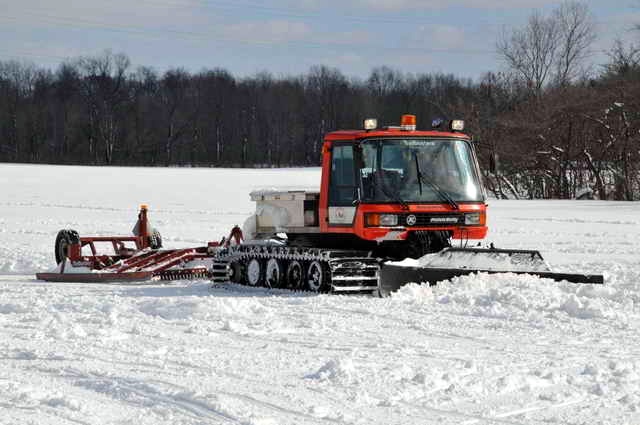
pixel 370 124
pixel 457 125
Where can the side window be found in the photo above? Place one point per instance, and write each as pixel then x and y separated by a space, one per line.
pixel 342 182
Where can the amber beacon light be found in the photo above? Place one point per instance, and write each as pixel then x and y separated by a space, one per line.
pixel 408 122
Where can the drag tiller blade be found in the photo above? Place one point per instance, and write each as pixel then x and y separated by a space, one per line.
pixel 452 262
pixel 185 274
pixel 130 277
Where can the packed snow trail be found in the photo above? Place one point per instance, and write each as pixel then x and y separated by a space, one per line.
pixel 499 349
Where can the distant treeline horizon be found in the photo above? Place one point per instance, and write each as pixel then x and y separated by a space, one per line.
pixel 555 127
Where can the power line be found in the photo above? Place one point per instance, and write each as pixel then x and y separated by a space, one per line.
pixel 260 8
pixel 21 54
pixel 220 38
pixel 217 37
pixel 257 7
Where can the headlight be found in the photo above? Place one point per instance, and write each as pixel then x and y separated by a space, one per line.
pixel 388 220
pixel 475 218
pixel 376 220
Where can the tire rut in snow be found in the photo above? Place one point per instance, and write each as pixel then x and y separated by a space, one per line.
pixel 140 393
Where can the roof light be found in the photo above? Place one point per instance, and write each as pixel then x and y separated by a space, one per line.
pixel 408 122
pixel 370 124
pixel 457 125
pixel 436 123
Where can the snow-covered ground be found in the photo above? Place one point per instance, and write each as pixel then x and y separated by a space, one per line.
pixel 498 349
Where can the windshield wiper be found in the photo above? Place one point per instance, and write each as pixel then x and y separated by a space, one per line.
pixel 422 179
pixel 380 185
pixel 415 157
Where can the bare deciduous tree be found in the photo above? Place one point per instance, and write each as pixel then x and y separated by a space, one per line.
pixel 104 90
pixel 623 60
pixel 576 36
pixel 531 51
pixel 174 97
pixel 549 48
pixel 20 78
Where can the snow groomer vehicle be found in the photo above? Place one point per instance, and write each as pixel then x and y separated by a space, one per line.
pixel 385 194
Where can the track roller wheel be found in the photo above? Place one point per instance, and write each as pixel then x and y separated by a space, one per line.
pixel 316 277
pixel 295 275
pixel 235 272
pixel 255 272
pixel 274 277
pixel 65 238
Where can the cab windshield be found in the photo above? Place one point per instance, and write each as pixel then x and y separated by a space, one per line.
pixel 418 170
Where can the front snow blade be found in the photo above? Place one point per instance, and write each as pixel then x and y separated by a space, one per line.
pixel 452 262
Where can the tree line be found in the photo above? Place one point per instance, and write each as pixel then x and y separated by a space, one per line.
pixel 548 126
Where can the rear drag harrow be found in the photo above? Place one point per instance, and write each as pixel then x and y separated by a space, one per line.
pixel 198 273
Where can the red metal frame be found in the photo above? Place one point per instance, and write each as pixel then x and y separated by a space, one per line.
pixel 117 242
pixel 141 241
pixel 139 264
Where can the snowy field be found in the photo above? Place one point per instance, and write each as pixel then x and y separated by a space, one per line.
pixel 498 349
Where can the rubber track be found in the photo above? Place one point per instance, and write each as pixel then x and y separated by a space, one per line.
pixel 350 271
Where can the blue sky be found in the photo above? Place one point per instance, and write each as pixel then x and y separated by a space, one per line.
pixel 287 37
